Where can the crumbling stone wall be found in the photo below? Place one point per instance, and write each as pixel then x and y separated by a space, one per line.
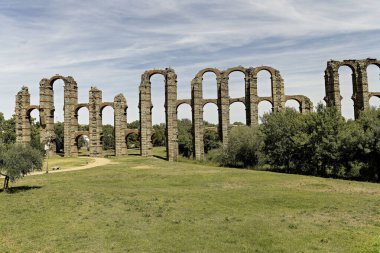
pixel 360 94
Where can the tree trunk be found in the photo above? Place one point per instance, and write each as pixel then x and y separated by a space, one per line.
pixel 6 183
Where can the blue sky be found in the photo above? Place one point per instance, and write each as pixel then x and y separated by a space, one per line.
pixel 109 44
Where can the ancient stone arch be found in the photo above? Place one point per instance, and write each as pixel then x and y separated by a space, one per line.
pixel 71 108
pixel 95 107
pixel 360 94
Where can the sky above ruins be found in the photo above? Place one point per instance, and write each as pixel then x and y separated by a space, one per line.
pixel 109 44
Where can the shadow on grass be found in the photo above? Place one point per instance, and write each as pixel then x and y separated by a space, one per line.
pixel 160 157
pixel 17 189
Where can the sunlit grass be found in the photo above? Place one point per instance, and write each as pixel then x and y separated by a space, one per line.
pixel 150 205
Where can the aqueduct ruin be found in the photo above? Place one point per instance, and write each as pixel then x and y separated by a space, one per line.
pixel 223 101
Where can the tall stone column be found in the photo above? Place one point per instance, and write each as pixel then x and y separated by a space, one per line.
pixel 171 115
pixel 23 131
pixel 71 121
pixel 145 106
pixel 333 97
pixel 251 99
pixel 120 107
pixel 197 118
pixel 278 93
pixel 95 122
pixel 362 98
pixel 47 112
pixel 223 108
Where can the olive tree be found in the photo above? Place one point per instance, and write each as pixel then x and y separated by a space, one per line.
pixel 18 160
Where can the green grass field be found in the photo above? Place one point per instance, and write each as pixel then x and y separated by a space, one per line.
pixel 150 205
pixel 66 162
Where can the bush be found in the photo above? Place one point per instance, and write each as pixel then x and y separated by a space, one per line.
pixel 243 148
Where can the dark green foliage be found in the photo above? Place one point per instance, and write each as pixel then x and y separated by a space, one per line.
pixel 8 129
pixel 133 140
pixel 108 137
pixel 185 138
pixel 158 138
pixel 134 125
pixel 59 140
pixel 244 147
pixel 211 140
pixel 18 160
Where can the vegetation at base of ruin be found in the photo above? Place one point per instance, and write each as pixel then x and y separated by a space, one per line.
pixel 320 143
pixel 16 161
pixel 151 205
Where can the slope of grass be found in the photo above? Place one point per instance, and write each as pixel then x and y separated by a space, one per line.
pixel 66 162
pixel 150 205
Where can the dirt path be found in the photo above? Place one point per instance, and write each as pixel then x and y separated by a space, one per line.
pixel 98 162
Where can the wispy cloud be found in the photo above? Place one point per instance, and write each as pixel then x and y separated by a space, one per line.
pixel 110 43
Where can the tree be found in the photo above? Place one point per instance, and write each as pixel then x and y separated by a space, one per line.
pixel 279 129
pixel 159 138
pixel 185 138
pixel 108 137
pixel 134 124
pixel 59 139
pixel 8 129
pixel 17 161
pixel 211 140
pixel 243 148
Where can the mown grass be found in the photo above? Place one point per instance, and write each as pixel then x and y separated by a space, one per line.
pixel 66 162
pixel 150 205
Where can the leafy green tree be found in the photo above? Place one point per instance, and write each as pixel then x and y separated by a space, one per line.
pixel 59 139
pixel 243 148
pixel 134 124
pixel 17 161
pixel 8 129
pixel 361 146
pixel 158 138
pixel 185 138
pixel 133 140
pixel 108 137
pixel 280 129
pixel 211 139
pixel 319 143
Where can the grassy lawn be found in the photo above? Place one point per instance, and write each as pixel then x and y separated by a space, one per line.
pixel 150 205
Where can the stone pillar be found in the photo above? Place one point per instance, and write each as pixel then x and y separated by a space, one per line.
pixel 333 97
pixel 120 107
pixel 223 108
pixel 145 106
pixel 278 93
pixel 47 112
pixel 251 100
pixel 23 131
pixel 362 96
pixel 197 118
pixel 95 121
pixel 70 119
pixel 306 105
pixel 171 115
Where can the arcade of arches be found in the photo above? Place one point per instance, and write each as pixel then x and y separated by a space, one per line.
pixel 223 101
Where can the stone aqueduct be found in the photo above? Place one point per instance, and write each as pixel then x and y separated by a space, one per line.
pixel 223 101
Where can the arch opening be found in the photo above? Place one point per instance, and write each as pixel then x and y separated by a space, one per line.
pixel 211 138
pixel 236 84
pixel 185 132
pixel 35 127
pixel 238 114
pixel 346 91
pixel 374 102
pixel 373 75
pixel 82 142
pixel 209 85
pixel 294 104
pixel 108 131
pixel 264 83
pixel 264 107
